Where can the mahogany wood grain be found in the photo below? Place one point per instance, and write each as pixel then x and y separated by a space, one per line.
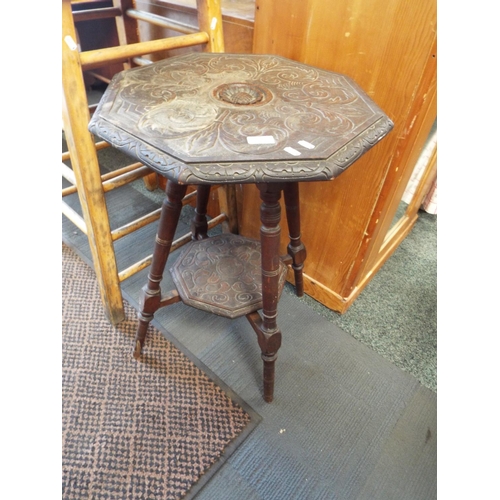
pixel 151 295
pixel 270 338
pixel 296 248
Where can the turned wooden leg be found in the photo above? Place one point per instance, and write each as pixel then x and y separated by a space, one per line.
pixel 270 339
pixel 296 248
pixel 199 225
pixel 229 206
pixel 151 293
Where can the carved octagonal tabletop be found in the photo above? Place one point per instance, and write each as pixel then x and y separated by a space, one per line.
pixel 225 118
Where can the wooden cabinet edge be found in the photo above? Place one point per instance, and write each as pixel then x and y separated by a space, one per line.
pixel 321 293
pixel 331 299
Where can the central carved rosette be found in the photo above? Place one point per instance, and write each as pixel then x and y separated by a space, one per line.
pixel 242 94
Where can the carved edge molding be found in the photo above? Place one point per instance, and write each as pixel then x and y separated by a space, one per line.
pixel 241 172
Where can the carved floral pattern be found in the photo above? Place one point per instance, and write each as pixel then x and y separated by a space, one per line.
pixel 191 117
pixel 222 275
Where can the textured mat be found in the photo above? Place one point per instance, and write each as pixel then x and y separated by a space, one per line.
pixel 134 430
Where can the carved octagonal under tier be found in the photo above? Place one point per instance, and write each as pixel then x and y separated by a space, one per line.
pixel 222 275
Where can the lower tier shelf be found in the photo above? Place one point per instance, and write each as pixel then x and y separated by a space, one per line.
pixel 222 275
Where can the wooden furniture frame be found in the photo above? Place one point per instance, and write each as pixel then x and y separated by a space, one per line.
pixel 237 21
pixel 84 173
pixel 271 279
pixel 265 121
pixel 390 48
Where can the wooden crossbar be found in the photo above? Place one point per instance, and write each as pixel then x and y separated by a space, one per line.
pixel 98 146
pixel 162 21
pixel 74 217
pixel 179 242
pixel 101 145
pixel 130 227
pixel 99 77
pixel 67 173
pixel 92 59
pixel 144 220
pixel 125 178
pixel 93 14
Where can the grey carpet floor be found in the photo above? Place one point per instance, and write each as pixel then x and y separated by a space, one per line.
pixel 396 314
pixel 345 423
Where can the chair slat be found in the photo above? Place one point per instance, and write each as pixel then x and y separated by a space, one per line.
pixel 95 58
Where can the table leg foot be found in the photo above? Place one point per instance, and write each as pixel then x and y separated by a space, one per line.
pixel 269 343
pixel 296 248
pixel 299 279
pixel 140 336
pixel 151 293
pixel 268 377
pixel 138 349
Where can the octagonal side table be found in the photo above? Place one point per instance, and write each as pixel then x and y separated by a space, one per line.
pixel 211 119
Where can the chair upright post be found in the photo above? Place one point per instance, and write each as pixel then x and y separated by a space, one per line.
pixel 85 166
pixel 82 151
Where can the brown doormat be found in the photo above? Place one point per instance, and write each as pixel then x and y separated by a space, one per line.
pixel 134 430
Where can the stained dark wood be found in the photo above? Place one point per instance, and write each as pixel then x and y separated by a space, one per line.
pixel 151 300
pixel 199 226
pixel 230 118
pixel 222 275
pixel 227 274
pixel 296 248
pixel 270 340
pixel 210 119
